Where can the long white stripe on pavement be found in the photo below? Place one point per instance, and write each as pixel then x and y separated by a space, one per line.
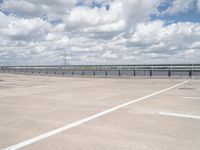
pixel 191 98
pixel 179 115
pixel 84 120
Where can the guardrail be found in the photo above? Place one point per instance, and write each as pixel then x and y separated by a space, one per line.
pixel 176 70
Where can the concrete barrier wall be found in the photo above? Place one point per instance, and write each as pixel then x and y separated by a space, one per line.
pixel 100 73
pixel 196 73
pixel 180 73
pixel 142 73
pixel 127 73
pixel 163 73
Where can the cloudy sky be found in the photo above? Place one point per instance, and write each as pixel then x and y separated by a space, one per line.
pixel 99 31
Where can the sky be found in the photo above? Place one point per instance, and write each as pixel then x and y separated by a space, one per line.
pixel 46 32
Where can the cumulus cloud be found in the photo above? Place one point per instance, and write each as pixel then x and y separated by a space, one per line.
pixel 136 11
pixel 38 8
pixel 85 32
pixel 83 16
pixel 22 8
pixel 174 41
pixel 122 16
pixel 27 29
pixel 30 40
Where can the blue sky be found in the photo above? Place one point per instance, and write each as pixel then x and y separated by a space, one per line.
pixel 85 32
pixel 192 15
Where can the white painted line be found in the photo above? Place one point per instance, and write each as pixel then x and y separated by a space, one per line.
pixel 191 98
pixel 179 115
pixel 77 123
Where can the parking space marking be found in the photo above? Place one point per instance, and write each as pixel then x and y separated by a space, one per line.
pixel 87 119
pixel 191 98
pixel 179 115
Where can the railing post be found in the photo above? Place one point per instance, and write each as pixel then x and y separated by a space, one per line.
pixel 191 71
pixel 170 71
pixel 151 71
pixel 134 72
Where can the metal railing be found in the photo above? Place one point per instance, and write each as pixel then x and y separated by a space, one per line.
pixel 163 70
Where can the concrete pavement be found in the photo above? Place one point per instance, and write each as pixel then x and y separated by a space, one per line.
pixel 33 105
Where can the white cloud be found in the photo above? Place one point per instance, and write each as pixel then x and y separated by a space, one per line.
pixel 26 29
pixel 38 8
pixel 22 8
pixel 144 32
pixel 136 11
pixel 122 17
pixel 109 55
pixel 85 17
pixel 124 34
pixel 172 42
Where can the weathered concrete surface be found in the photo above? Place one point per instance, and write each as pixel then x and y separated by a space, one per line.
pixel 33 105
